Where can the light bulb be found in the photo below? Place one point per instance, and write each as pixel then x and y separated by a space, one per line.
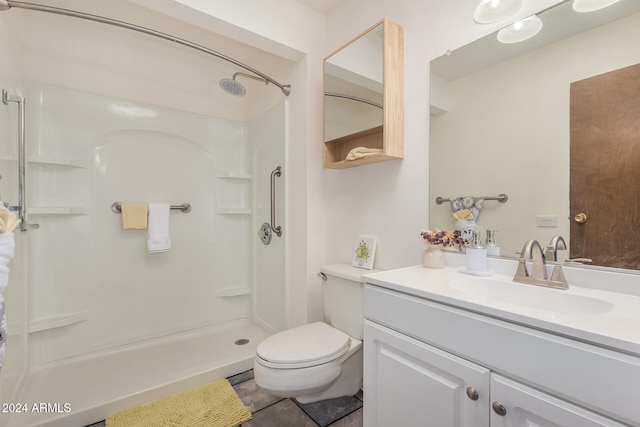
pixel 490 11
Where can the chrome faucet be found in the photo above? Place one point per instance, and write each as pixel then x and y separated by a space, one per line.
pixel 557 243
pixel 533 251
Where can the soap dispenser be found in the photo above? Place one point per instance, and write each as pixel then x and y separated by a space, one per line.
pixel 476 255
pixel 492 247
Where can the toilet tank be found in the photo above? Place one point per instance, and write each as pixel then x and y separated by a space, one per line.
pixel 342 295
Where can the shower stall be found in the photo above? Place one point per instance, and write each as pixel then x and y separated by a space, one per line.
pixel 97 323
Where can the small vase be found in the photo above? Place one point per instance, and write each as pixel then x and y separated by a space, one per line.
pixel 433 257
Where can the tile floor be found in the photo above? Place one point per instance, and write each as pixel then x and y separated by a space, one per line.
pixel 272 411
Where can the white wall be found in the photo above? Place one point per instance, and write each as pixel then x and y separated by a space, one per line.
pixel 267 135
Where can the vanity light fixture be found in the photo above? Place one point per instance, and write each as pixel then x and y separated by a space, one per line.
pixel 521 30
pixel 591 5
pixel 490 11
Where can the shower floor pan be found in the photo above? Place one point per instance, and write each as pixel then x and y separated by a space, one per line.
pixel 86 389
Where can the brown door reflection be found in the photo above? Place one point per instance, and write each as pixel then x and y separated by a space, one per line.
pixel 605 168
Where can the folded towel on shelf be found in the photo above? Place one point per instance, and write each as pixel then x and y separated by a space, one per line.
pixel 134 216
pixel 158 228
pixel 360 152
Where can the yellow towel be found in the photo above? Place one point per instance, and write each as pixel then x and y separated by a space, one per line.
pixel 8 220
pixel 134 216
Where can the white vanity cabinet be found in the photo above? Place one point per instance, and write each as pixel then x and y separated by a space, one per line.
pixel 411 383
pixel 516 405
pixel 431 364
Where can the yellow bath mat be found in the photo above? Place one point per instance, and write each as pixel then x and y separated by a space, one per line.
pixel 212 405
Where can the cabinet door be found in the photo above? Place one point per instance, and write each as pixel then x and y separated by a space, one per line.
pixel 516 405
pixel 410 383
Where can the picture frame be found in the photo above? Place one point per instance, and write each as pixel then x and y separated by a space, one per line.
pixel 364 252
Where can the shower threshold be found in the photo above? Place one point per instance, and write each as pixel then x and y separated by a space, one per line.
pixel 86 389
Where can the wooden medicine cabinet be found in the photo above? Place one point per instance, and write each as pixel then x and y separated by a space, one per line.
pixel 364 98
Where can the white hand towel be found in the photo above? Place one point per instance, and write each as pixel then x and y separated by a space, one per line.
pixel 7 245
pixel 158 228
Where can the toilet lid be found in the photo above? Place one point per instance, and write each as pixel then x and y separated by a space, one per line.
pixel 315 342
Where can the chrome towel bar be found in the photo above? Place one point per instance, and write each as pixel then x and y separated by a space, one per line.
pixel 116 207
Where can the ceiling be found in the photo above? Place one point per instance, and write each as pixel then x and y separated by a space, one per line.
pixel 322 6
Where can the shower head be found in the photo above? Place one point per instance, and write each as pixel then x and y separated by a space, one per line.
pixel 234 87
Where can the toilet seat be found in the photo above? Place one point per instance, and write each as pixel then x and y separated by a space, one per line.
pixel 308 345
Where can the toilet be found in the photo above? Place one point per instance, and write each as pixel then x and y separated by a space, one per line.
pixel 320 360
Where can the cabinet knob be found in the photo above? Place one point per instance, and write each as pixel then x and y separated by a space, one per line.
pixel 499 409
pixel 472 393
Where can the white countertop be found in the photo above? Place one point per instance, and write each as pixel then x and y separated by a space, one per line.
pixel 611 318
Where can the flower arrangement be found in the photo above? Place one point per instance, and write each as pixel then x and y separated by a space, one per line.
pixel 441 237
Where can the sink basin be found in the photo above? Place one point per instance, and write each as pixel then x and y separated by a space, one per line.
pixel 492 291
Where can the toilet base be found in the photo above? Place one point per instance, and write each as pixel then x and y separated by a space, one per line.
pixel 347 384
pixel 316 383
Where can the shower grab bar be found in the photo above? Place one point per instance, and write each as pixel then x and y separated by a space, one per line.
pixel 116 207
pixel 21 208
pixel 7 4
pixel 275 228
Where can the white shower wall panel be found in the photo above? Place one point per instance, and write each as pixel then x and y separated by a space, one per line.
pixel 94 285
pixel 268 146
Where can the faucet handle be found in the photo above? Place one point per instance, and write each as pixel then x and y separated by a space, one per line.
pixel 557 276
pixel 557 243
pixel 522 269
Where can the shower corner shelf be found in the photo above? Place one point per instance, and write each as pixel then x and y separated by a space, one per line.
pixel 233 292
pixel 59 161
pixel 52 161
pixel 234 175
pixel 233 211
pixel 59 321
pixel 59 210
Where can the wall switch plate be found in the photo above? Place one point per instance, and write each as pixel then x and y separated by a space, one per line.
pixel 547 220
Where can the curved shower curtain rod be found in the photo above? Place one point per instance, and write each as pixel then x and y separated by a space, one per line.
pixel 7 4
pixel 353 98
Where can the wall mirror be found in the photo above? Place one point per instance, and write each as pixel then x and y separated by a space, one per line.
pixel 364 98
pixel 501 123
